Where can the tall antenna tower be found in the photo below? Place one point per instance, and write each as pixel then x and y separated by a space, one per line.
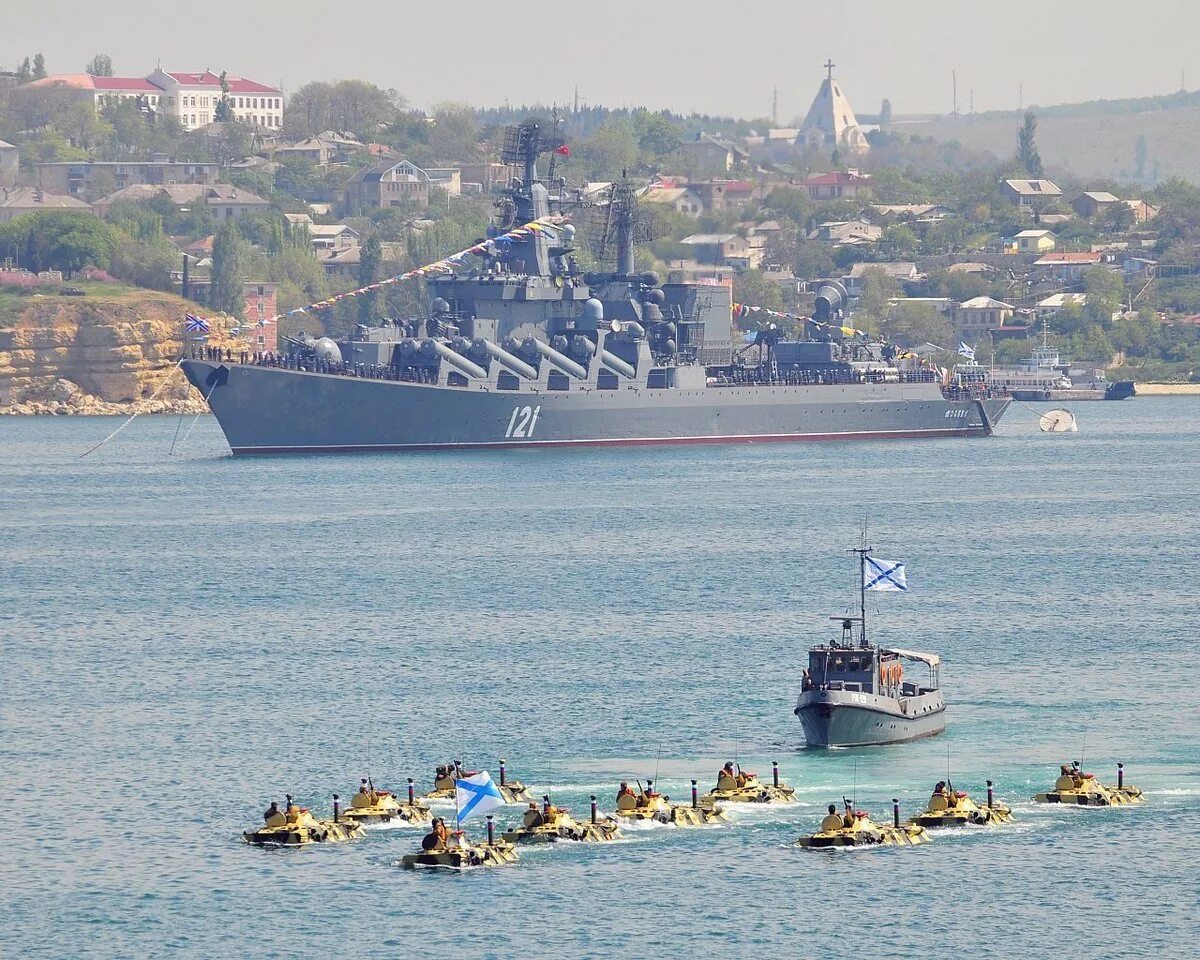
pixel 775 107
pixel 954 81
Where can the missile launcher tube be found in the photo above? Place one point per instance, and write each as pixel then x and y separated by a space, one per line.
pixel 613 362
pixel 559 360
pixel 507 360
pixel 460 363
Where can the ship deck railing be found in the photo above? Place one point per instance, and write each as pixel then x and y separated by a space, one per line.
pixel 429 375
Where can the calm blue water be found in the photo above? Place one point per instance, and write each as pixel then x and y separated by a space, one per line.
pixel 184 638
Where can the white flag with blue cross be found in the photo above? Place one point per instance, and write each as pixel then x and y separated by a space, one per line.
pixel 884 575
pixel 476 794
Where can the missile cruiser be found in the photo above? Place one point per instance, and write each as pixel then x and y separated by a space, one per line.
pixel 524 349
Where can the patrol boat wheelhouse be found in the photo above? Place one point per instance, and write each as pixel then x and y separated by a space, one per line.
pixel 856 693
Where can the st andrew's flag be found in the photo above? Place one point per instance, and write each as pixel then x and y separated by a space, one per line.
pixel 965 351
pixel 884 575
pixel 195 324
pixel 476 794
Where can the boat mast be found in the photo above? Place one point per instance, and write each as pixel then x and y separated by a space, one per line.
pixel 862 591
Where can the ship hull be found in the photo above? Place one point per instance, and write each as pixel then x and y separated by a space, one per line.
pixel 1117 390
pixel 836 718
pixel 267 410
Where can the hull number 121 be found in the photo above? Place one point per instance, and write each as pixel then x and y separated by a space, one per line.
pixel 522 422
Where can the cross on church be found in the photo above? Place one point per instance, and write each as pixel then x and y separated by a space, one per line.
pixel 829 65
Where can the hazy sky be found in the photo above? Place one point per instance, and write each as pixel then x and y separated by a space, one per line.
pixel 707 56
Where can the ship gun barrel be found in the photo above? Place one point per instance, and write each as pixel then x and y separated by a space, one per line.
pixel 560 360
pixel 507 360
pixel 459 362
pixel 610 360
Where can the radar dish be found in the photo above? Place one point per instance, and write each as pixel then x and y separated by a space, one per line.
pixel 605 215
pixel 1058 421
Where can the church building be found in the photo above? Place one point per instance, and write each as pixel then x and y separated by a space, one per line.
pixel 831 122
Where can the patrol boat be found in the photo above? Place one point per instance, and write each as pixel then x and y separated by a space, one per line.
pixel 855 693
pixel 525 349
pixel 295 826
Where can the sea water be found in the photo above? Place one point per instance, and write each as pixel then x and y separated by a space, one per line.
pixel 185 637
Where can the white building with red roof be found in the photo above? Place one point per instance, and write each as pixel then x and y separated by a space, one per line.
pixel 191 97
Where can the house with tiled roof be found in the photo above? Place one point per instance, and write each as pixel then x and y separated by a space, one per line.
pixel 1068 265
pixel 386 183
pixel 224 200
pixel 1029 193
pixel 1091 203
pixel 18 201
pixel 973 319
pixel 1034 241
pixel 836 185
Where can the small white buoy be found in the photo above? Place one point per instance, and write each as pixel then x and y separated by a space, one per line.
pixel 1058 421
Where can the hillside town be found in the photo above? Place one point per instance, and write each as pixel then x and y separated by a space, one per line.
pixel 248 202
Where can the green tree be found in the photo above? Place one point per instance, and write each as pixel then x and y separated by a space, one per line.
pixel 885 115
pixel 1105 291
pixel 812 260
pixel 1139 157
pixel 226 292
pixel 370 256
pixel 899 242
pixel 39 67
pixel 352 106
pixel 911 324
pixel 297 177
pixel 752 288
pixel 879 288
pixel 100 65
pixel 24 72
pixel 100 184
pixel 62 240
pixel 224 110
pixel 1027 152
pixel 791 203
pixel 233 142
pixel 144 263
pixel 656 135
pixel 454 134
pixel 610 151
pixel 1118 218
pixel 81 126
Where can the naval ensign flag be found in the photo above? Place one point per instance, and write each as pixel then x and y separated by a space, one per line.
pixel 476 794
pixel 884 574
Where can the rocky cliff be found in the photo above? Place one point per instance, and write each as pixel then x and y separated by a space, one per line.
pixel 99 353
